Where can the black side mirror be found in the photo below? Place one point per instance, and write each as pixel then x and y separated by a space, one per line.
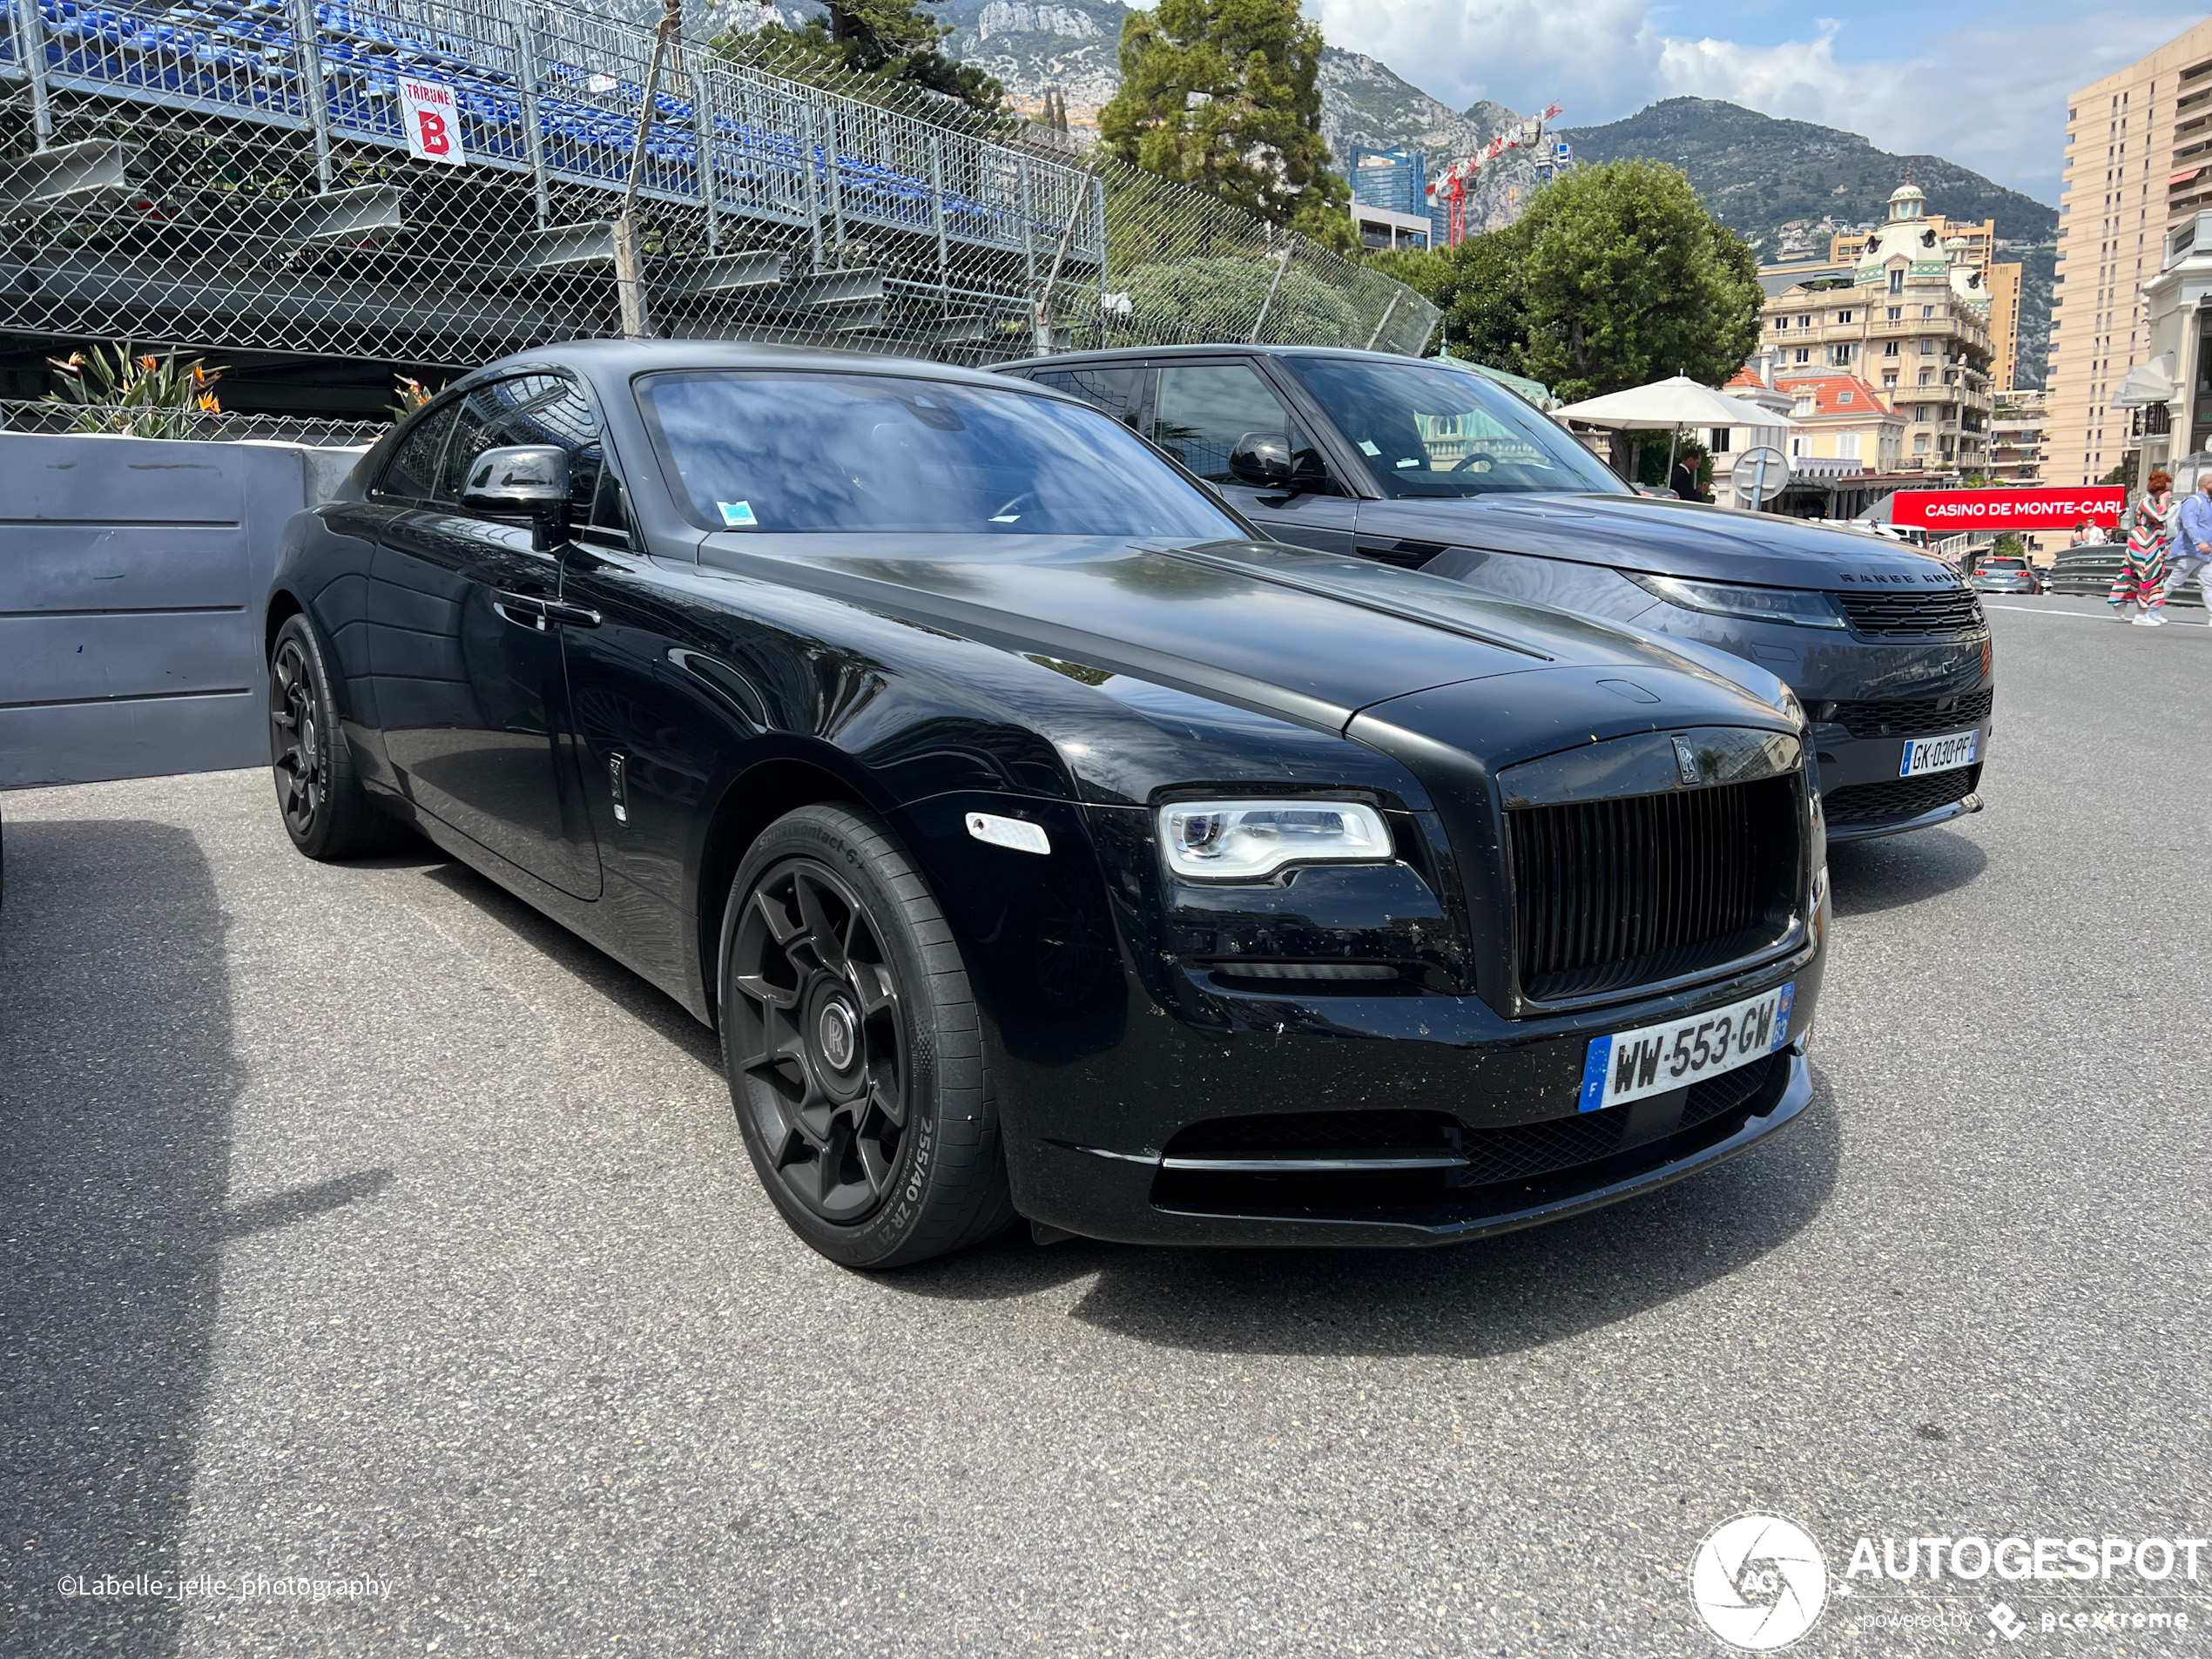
pixel 1263 460
pixel 523 480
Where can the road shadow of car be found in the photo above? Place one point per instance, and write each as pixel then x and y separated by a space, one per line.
pixel 119 1084
pixel 1868 877
pixel 1489 1296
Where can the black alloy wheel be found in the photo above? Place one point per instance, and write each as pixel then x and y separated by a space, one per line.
pixel 819 1041
pixel 318 794
pixel 295 740
pixel 854 1046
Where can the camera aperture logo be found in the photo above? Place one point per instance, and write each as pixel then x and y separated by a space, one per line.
pixel 1759 1582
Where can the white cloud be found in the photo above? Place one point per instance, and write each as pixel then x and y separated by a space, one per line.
pixel 1988 95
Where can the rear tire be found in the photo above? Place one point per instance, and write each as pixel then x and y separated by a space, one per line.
pixel 854 1046
pixel 326 812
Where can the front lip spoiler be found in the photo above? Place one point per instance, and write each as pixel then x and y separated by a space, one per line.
pixel 1229 1228
pixel 1878 827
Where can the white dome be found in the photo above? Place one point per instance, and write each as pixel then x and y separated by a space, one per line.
pixel 1908 201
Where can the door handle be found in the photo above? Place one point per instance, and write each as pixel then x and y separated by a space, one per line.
pixel 522 611
pixel 570 615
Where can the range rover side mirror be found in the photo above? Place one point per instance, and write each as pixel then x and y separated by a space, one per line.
pixel 523 480
pixel 1263 461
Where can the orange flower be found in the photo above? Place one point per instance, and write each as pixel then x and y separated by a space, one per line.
pixel 207 402
pixel 147 364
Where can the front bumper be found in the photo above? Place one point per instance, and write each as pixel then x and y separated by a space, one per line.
pixel 1089 1144
pixel 1864 797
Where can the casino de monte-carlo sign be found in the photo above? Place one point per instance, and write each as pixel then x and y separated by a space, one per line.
pixel 1952 511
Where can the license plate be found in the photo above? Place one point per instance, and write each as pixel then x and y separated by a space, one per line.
pixel 1938 754
pixel 1674 1054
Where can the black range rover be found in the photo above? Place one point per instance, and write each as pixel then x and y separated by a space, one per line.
pixel 1432 468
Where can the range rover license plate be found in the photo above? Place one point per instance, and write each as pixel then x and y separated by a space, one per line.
pixel 1631 1064
pixel 1938 754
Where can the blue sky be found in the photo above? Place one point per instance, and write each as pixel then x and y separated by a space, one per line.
pixel 1983 84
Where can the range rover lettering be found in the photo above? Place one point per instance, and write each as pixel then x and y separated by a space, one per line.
pixel 1042 842
pixel 1436 469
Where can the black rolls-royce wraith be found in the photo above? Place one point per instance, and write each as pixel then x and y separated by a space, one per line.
pixel 1042 841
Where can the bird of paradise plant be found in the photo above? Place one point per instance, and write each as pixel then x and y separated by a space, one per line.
pixel 141 395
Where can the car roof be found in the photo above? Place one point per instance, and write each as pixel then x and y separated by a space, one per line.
pixel 617 360
pixel 1122 353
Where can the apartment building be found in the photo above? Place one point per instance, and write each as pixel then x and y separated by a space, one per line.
pixel 2016 436
pixel 1910 316
pixel 2138 168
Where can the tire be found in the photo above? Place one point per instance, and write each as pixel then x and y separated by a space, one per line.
pixel 320 797
pixel 853 1047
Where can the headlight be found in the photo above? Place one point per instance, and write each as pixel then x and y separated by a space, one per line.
pixel 1806 609
pixel 1231 841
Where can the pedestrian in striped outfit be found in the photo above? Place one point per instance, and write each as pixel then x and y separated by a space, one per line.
pixel 2141 581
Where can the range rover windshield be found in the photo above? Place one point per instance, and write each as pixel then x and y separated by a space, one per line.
pixel 1427 429
pixel 775 450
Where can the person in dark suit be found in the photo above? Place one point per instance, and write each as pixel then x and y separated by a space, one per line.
pixel 1684 479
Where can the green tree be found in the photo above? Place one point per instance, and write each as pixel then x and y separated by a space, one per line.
pixel 1221 297
pixel 1225 95
pixel 890 40
pixel 1615 276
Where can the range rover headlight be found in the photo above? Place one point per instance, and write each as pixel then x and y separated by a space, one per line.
pixel 1242 841
pixel 1803 607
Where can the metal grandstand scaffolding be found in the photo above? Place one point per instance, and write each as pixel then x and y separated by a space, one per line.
pixel 438 182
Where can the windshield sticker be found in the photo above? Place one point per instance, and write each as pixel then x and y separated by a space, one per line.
pixel 1367 447
pixel 738 515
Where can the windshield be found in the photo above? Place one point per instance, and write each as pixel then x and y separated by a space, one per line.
pixel 778 450
pixel 1425 429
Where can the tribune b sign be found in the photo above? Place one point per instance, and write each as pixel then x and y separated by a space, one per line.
pixel 1952 511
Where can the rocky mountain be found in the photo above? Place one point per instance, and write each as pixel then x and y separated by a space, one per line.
pixel 1784 185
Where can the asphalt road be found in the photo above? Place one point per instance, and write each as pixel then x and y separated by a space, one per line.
pixel 358 1225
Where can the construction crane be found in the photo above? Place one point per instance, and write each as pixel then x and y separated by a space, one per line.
pixel 1453 186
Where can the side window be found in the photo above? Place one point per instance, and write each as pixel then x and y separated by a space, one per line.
pixel 1204 409
pixel 1120 392
pixel 412 473
pixel 531 408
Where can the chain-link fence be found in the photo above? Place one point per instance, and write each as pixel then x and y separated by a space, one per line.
pixel 435 182
pixel 220 426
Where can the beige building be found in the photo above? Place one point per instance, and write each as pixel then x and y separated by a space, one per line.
pixel 1910 316
pixel 2016 436
pixel 2005 325
pixel 2138 167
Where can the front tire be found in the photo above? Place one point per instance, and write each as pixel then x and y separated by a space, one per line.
pixel 325 810
pixel 854 1046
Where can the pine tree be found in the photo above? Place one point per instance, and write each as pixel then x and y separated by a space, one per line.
pixel 1225 95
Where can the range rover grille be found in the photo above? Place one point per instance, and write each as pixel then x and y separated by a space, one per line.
pixel 1917 717
pixel 1612 893
pixel 1913 613
pixel 1899 797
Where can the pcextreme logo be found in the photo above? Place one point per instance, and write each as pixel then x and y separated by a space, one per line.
pixel 1759 1582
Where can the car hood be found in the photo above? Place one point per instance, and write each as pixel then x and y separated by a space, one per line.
pixel 1304 636
pixel 1678 539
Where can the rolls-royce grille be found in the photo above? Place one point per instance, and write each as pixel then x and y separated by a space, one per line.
pixel 1913 613
pixel 1610 893
pixel 1916 717
pixel 1899 797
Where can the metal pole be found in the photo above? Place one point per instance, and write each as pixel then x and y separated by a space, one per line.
pixel 703 120
pixel 1758 482
pixel 1383 319
pixel 1041 320
pixel 1098 210
pixel 32 28
pixel 937 205
pixel 836 189
pixel 1028 243
pixel 813 189
pixel 312 92
pixel 628 283
pixel 533 135
pixel 1282 264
